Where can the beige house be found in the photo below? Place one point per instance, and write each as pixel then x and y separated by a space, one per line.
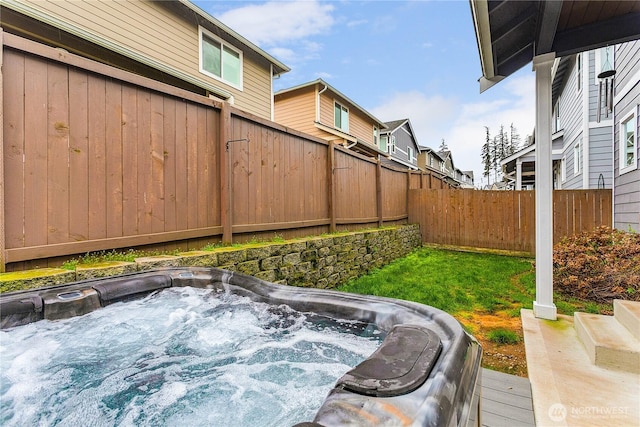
pixel 318 109
pixel 172 41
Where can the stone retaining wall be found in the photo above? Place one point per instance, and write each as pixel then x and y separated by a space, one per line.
pixel 320 262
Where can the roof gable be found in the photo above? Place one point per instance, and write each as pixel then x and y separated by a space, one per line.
pixel 319 82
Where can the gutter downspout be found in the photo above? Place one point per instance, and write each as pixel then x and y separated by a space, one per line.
pixel 318 103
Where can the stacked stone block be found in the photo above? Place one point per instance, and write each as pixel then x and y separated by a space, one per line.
pixel 319 262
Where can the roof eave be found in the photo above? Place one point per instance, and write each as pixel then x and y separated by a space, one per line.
pixel 480 16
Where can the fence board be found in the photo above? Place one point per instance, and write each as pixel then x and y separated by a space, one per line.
pixel 78 152
pixel 129 162
pixel 502 219
pixel 157 159
pixel 13 70
pixel 169 164
pixel 97 220
pixel 114 159
pixel 35 163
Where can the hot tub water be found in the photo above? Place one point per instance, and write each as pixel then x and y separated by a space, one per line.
pixel 182 356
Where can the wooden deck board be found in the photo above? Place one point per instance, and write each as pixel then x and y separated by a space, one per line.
pixel 506 400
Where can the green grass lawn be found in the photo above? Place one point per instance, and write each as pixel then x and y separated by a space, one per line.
pixel 459 282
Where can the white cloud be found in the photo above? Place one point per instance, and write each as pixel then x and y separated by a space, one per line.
pixel 279 22
pixel 324 75
pixel 429 115
pixel 460 123
pixel 356 23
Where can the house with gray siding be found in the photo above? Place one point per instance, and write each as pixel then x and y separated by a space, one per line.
pixel 626 108
pixel 582 146
pixel 399 141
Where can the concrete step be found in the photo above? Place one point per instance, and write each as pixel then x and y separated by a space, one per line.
pixel 628 314
pixel 607 343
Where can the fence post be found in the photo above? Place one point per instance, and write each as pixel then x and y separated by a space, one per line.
pixel 406 207
pixel 331 187
pixel 379 192
pixel 226 175
pixel 2 238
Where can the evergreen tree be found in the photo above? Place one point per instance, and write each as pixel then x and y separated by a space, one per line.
pixel 495 155
pixel 514 140
pixel 486 156
pixel 443 146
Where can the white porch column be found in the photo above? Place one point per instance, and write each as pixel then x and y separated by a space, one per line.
pixel 518 174
pixel 543 306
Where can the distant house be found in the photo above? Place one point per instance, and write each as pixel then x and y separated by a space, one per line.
pixel 582 146
pixel 401 144
pixel 442 163
pixel 172 41
pixel 626 105
pixel 319 109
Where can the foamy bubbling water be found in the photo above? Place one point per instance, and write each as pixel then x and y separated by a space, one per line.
pixel 183 356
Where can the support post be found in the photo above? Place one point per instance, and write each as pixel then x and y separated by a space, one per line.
pixel 2 218
pixel 226 175
pixel 518 174
pixel 543 306
pixel 379 192
pixel 331 186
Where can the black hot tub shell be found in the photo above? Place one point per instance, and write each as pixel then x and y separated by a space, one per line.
pixel 426 372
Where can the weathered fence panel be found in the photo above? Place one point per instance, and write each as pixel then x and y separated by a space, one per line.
pixel 97 158
pixel 502 219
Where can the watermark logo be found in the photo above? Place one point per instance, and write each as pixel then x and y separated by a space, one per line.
pixel 557 412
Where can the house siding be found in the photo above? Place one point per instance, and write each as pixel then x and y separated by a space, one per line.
pixel 574 181
pixel 119 23
pixel 627 186
pixel 600 157
pixel 404 140
pixel 360 126
pixel 626 55
pixel 297 111
pixel 571 107
pixel 593 88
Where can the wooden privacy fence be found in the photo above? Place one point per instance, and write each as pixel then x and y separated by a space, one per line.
pixel 96 158
pixel 503 219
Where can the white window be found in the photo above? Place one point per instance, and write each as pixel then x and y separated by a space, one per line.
pixel 628 144
pixel 579 72
pixel 393 144
pixel 410 154
pixel 563 169
pixel 577 158
pixel 341 117
pixel 384 140
pixel 556 117
pixel 220 60
pixel 376 133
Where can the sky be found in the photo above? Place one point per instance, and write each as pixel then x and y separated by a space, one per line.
pixel 396 59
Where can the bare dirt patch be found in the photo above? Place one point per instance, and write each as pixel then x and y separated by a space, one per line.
pixel 509 358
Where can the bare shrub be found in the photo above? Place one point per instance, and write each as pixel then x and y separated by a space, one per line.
pixel 599 266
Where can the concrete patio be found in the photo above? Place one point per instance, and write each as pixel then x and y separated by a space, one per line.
pixel 567 388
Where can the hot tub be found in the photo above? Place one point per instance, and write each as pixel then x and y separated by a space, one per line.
pixel 426 371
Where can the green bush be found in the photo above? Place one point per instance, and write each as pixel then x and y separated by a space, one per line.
pixel 599 266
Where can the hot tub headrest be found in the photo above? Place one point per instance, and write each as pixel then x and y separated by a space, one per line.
pixel 27 304
pixel 20 311
pixel 123 287
pixel 400 365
